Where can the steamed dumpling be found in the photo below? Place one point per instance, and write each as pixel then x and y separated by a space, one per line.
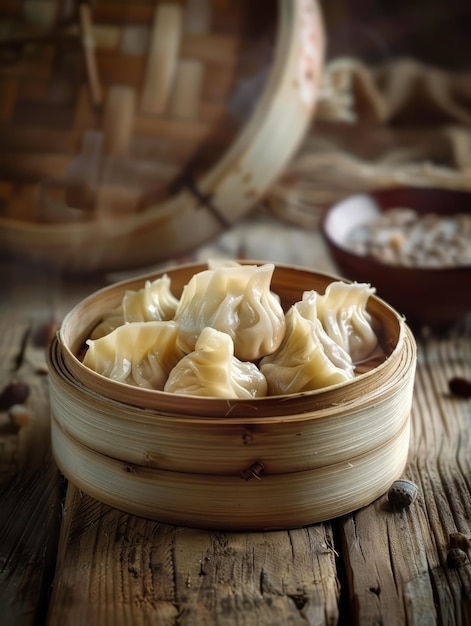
pixel 342 312
pixel 212 370
pixel 139 353
pixel 307 307
pixel 235 300
pixel 306 360
pixel 154 302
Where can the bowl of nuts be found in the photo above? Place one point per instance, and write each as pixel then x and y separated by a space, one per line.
pixel 413 244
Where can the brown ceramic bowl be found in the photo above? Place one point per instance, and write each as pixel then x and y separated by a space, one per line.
pixel 438 297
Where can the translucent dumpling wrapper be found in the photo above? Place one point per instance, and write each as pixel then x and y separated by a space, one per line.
pixel 305 359
pixel 342 312
pixel 154 302
pixel 216 263
pixel 139 353
pixel 236 300
pixel 109 322
pixel 307 307
pixel 212 370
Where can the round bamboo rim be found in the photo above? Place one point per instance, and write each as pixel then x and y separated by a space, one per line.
pixel 225 193
pixel 191 460
pixel 288 282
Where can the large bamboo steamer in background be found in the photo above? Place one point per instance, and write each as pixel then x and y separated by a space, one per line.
pixel 132 132
pixel 265 463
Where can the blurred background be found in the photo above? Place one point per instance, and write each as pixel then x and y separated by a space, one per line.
pixel 435 32
pixel 81 147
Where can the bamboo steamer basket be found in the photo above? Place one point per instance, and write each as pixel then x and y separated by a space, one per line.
pixel 268 463
pixel 132 132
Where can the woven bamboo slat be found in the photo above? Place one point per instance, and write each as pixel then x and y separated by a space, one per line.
pixel 187 460
pixel 237 82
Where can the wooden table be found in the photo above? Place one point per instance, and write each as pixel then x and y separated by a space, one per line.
pixel 67 559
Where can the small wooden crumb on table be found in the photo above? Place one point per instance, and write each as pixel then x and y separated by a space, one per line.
pixel 66 559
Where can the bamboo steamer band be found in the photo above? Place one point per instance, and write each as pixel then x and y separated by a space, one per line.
pixel 228 502
pixel 202 205
pixel 185 460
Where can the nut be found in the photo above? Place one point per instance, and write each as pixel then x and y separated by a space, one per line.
pixel 460 387
pixel 460 540
pixel 402 493
pixel 45 334
pixel 19 415
pixel 456 557
pixel 16 392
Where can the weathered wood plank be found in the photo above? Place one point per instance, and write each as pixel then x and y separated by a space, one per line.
pixel 31 491
pixel 26 311
pixel 396 560
pixel 29 529
pixel 115 568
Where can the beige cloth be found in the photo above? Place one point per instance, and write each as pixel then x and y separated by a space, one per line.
pixel 403 123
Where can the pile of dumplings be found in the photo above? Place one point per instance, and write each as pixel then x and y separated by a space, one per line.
pixel 229 337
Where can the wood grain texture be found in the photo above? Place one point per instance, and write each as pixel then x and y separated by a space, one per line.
pixel 30 485
pixel 116 569
pixel 29 524
pixel 396 561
